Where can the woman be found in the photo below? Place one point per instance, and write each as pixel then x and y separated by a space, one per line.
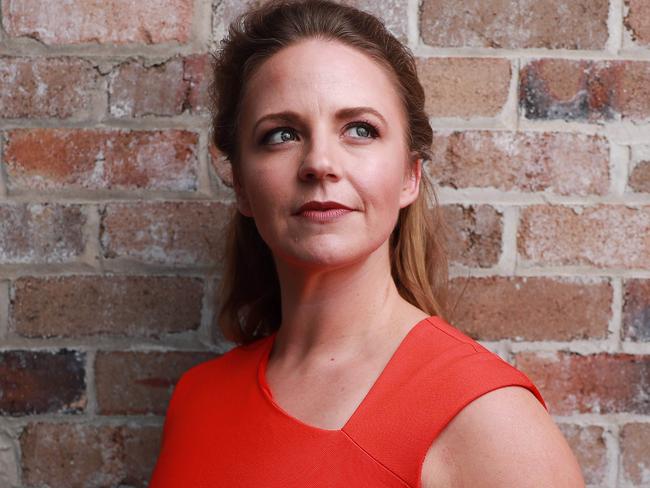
pixel 346 373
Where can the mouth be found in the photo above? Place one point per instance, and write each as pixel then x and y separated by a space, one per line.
pixel 314 205
pixel 323 212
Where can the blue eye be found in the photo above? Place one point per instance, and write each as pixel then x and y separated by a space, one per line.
pixel 368 130
pixel 283 131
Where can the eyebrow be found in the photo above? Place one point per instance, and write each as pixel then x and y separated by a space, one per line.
pixel 344 113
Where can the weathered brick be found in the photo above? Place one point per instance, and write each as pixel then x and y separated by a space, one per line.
pixel 197 72
pixel 464 87
pixel 87 456
pixel 601 235
pixel 8 461
pixel 552 24
pixel 41 232
pixel 639 179
pixel 392 12
pixel 36 382
pixel 635 439
pixel 531 308
pixel 101 159
pixel 46 87
pixel 595 383
pixel 221 165
pixel 184 233
pixel 565 164
pixel 637 21
pixel 111 21
pixel 476 234
pixel 75 306
pixel 139 383
pixel 636 310
pixel 585 90
pixel 588 445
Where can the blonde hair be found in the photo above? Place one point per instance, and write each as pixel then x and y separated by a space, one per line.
pixel 250 291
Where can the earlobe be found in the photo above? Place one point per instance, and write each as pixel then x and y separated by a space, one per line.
pixel 242 201
pixel 411 187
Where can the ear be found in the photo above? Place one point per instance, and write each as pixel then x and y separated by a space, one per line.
pixel 243 205
pixel 411 182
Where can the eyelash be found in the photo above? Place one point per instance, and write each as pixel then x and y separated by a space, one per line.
pixel 374 133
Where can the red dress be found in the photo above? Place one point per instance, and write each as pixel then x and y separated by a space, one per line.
pixel 223 428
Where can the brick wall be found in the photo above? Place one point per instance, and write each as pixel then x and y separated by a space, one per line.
pixel 112 208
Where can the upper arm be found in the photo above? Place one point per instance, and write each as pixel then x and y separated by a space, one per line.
pixel 504 438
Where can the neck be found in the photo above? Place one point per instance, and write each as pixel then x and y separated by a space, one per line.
pixel 337 312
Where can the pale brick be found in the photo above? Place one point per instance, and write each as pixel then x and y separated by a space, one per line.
pixel 614 236
pixel 392 12
pixel 585 90
pixel 636 310
pixel 560 163
pixel 464 87
pixel 41 232
pixel 183 233
pixel 72 159
pixel 531 308
pixel 197 73
pixel 133 306
pixel 110 21
pixel 475 239
pixel 595 383
pixel 86 456
pixel 588 445
pixel 639 179
pixel 8 462
pixel 637 21
pixel 635 439
pixel 140 383
pixel 221 165
pixel 551 24
pixel 38 382
pixel 46 87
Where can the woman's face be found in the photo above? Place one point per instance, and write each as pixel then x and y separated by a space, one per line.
pixel 322 122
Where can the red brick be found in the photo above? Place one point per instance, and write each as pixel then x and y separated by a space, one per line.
pixel 139 383
pixel 183 233
pixel 136 90
pixel 46 87
pixel 101 159
pixel 552 24
pixel 531 308
pixel 86 456
pixel 636 310
pixel 221 165
pixel 637 21
pixel 640 175
pixel 111 21
pixel 595 383
pixel 133 306
pixel 635 439
pixel 41 232
pixel 197 72
pixel 464 87
pixel 565 164
pixel 475 239
pixel 38 382
pixel 588 445
pixel 591 91
pixel 601 236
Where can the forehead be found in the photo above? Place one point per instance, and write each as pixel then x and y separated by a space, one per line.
pixel 321 75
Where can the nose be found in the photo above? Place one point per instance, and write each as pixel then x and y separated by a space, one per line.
pixel 318 160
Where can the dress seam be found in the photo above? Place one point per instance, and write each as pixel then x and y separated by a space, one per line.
pixel 377 460
pixel 432 322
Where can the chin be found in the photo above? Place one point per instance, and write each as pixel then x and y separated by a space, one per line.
pixel 319 255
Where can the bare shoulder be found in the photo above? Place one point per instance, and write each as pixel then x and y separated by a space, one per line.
pixel 504 438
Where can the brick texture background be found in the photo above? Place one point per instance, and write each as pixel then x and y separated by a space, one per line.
pixel 113 202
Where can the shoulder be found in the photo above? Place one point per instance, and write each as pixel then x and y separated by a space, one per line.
pixel 504 428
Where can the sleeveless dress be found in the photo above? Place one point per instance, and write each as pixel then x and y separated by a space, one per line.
pixel 223 428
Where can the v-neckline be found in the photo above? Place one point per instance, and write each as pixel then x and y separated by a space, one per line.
pixel 268 395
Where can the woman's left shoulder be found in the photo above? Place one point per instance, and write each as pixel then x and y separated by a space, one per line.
pixel 504 437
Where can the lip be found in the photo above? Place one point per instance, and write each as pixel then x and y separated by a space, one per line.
pixel 321 206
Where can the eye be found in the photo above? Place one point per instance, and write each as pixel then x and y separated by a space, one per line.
pixel 284 136
pixel 364 129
